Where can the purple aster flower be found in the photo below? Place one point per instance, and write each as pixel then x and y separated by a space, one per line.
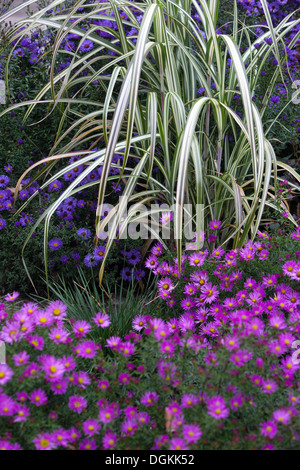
pixel 55 244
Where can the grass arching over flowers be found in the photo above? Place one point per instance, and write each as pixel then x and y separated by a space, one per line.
pixel 219 373
pixel 158 57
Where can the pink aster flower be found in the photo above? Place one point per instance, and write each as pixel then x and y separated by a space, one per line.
pixel 102 320
pixel 6 373
pixel 139 322
pixel 53 368
pixel 69 362
pixel 191 433
pixel 43 318
pixel 167 347
pixel 197 259
pixel 10 332
pixel 81 379
pixel 217 407
pixel 12 297
pixel 215 224
pixel 231 342
pixel 209 293
pixel 255 327
pixel 287 364
pixel 282 416
pixel 61 437
pixel 149 398
pixel 109 440
pixel 86 349
pixel 113 342
pixel 77 403
pixel 129 427
pixel 21 413
pixel 91 427
pixel 151 262
pixel 81 328
pixel 57 309
pixel 269 386
pixel 289 267
pixel 178 444
pixel 7 405
pixel 38 397
pixel 107 414
pixel 44 441
pixel 103 384
pixel 59 335
pixel 60 387
pixel 87 444
pixel 166 284
pixel 74 434
pixel 36 341
pixel 126 348
pixel 269 429
pixel 277 322
pixel 217 253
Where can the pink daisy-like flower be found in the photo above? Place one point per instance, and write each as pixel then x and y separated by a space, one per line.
pixel 217 253
pixel 269 386
pixel 77 403
pixel 38 397
pixel 102 320
pixel 6 373
pixel 126 348
pixel 109 440
pixel 86 349
pixel 87 444
pixel 12 297
pixel 91 427
pixel 107 414
pixel 151 262
pixel 129 427
pixel 81 379
pixel 103 384
pixel 217 407
pixel 139 322
pixel 74 434
pixel 209 292
pixel 7 405
pixel 282 416
pixel 277 322
pixel 44 441
pixel 59 335
pixel 69 362
pixel 289 267
pixel 53 368
pixel 256 327
pixel 197 258
pixel 43 318
pixel 268 429
pixel 215 224
pixel 60 387
pixel 166 284
pixel 81 328
pixel 289 365
pixel 231 342
pixel 191 433
pixel 178 444
pixel 57 309
pixel 113 342
pixel 61 437
pixel 36 341
pixel 149 398
pixel 21 413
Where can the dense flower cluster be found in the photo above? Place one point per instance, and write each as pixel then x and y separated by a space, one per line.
pixel 221 373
